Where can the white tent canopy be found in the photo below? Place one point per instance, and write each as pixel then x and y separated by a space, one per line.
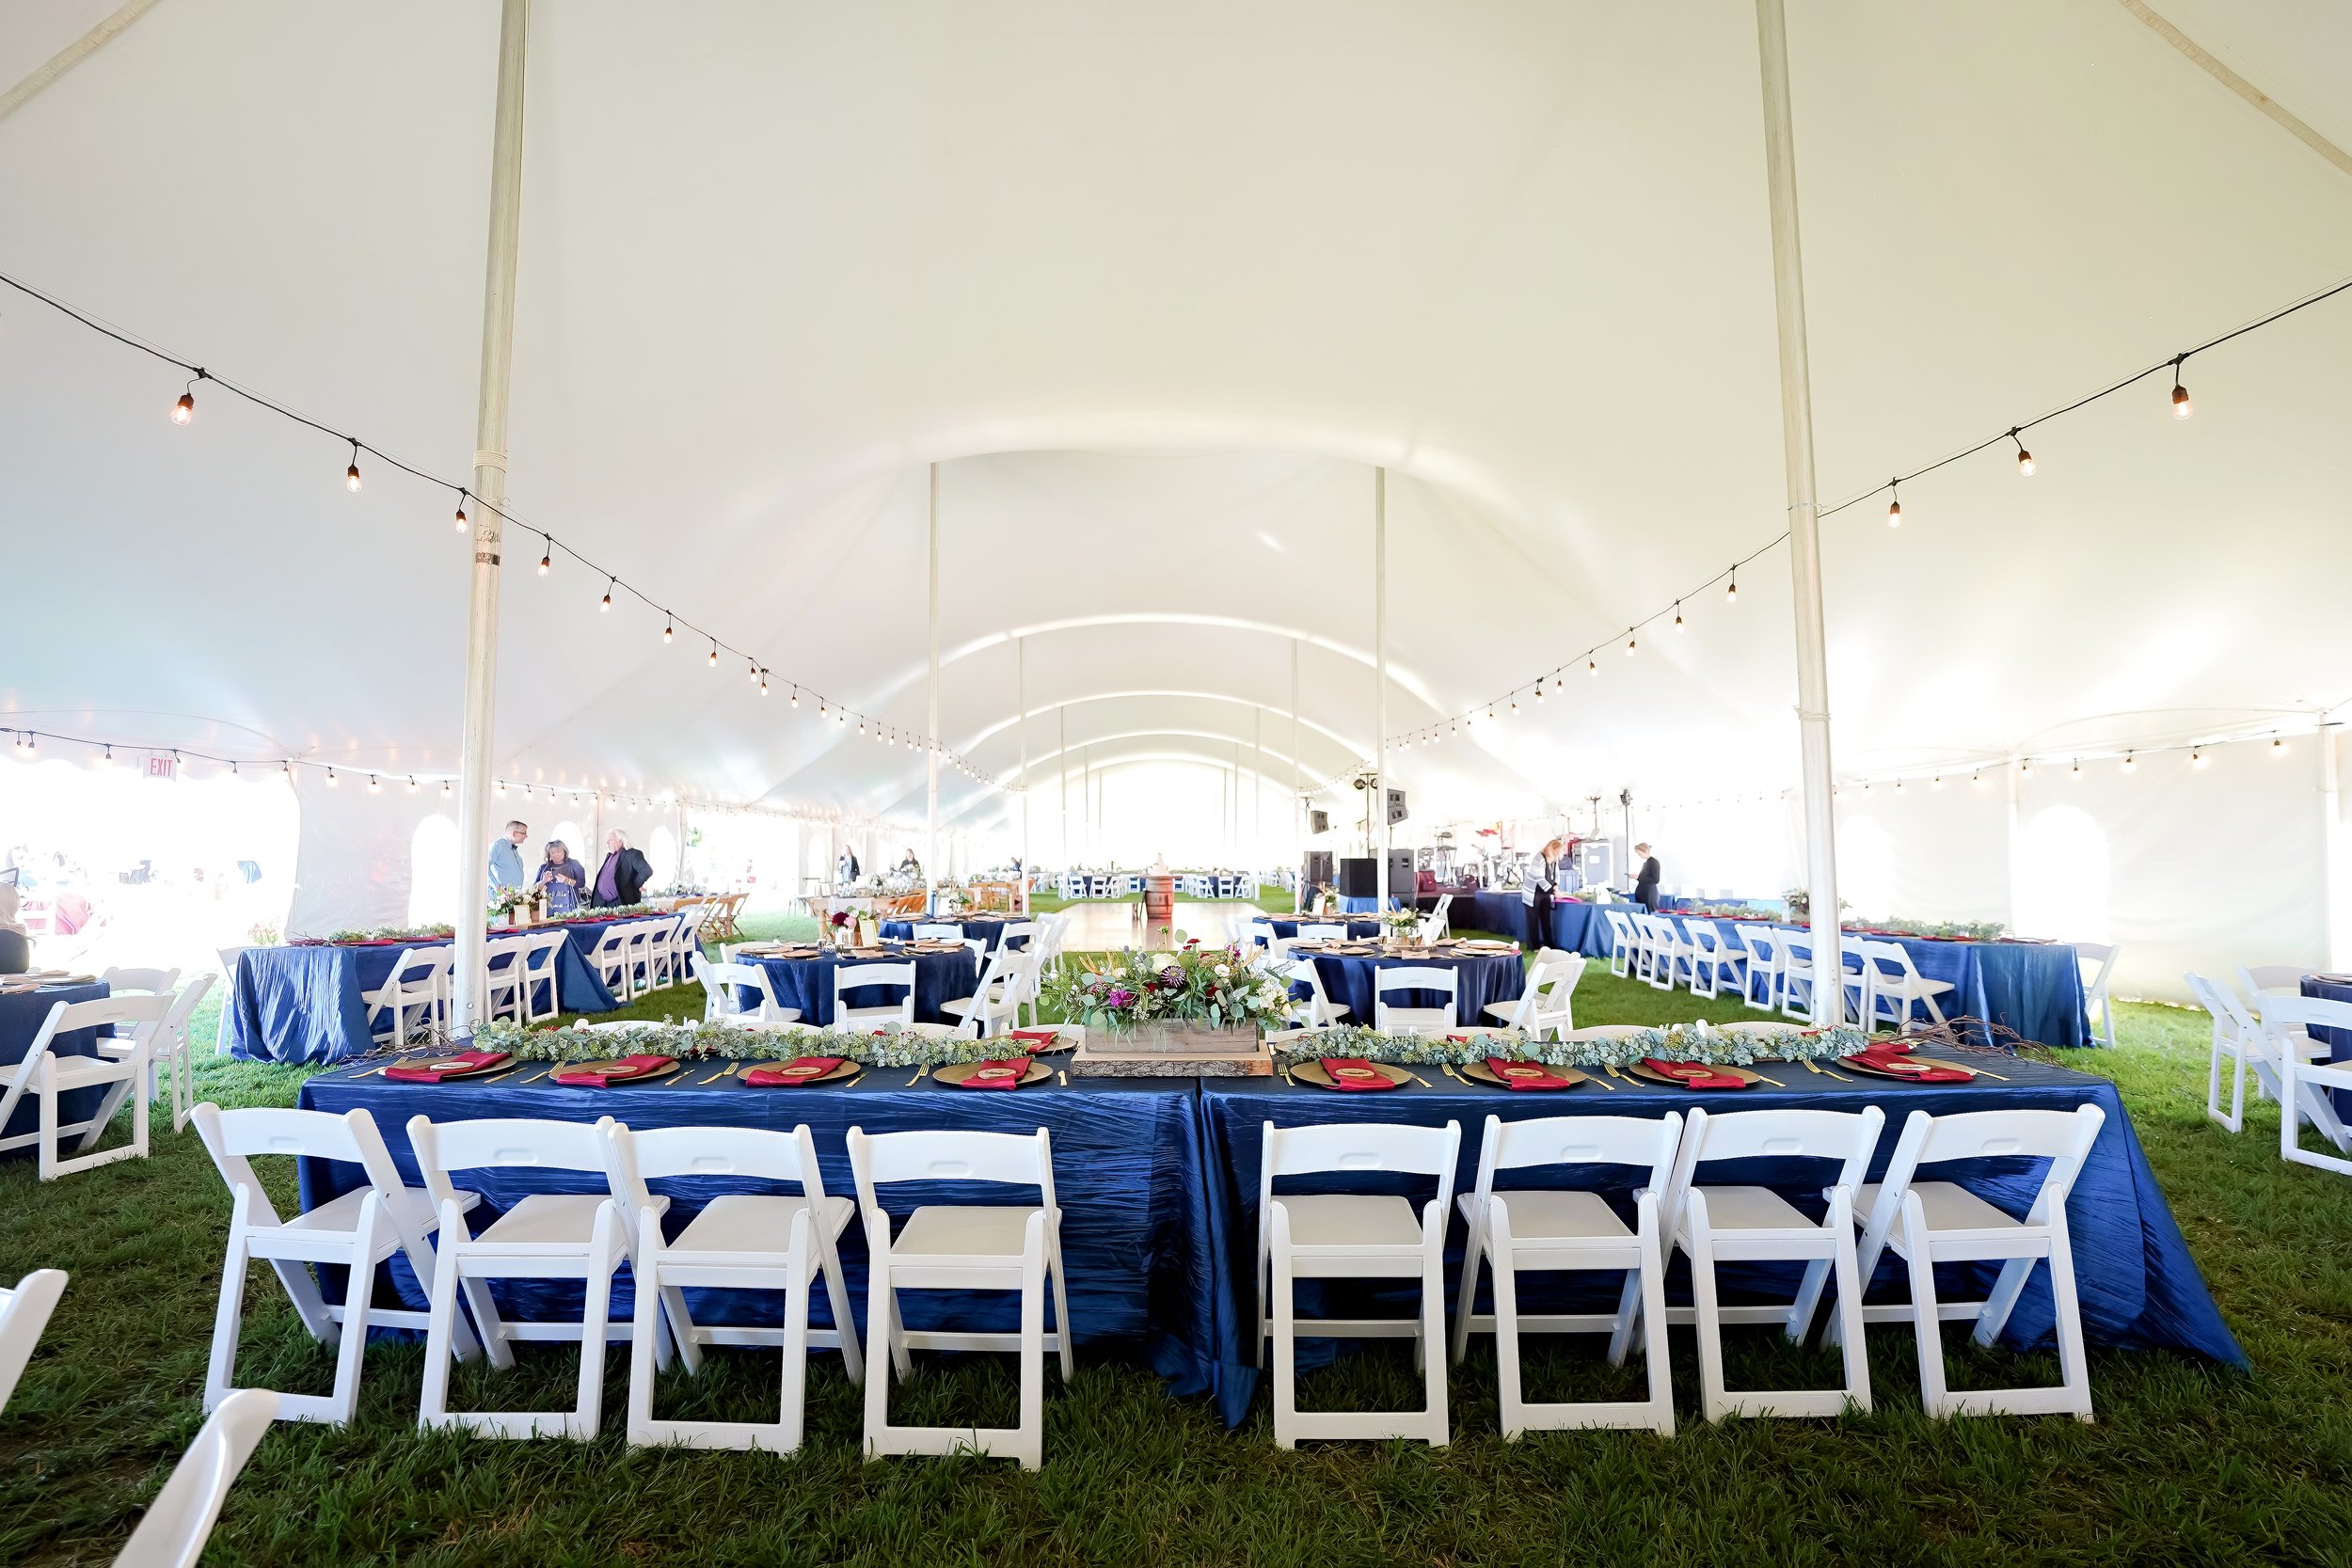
pixel 1158 289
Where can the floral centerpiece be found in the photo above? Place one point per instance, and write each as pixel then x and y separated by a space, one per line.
pixel 507 902
pixel 1735 1044
pixel 1401 923
pixel 725 1043
pixel 1215 988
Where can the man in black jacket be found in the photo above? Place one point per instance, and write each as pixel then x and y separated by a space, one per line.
pixel 625 873
pixel 1646 881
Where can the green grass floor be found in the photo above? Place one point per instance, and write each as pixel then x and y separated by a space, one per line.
pixel 2188 1463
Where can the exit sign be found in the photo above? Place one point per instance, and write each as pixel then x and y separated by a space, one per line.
pixel 160 765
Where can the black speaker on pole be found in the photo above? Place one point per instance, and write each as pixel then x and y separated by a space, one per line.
pixel 1318 822
pixel 1360 877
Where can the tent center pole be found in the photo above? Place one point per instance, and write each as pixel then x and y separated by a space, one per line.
pixel 932 871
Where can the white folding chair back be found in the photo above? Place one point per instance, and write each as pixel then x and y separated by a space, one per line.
pixel 855 977
pixel 154 982
pixel 1321 933
pixel 611 958
pixel 2240 1041
pixel 994 1003
pixel 960 1247
pixel 1748 1224
pixel 1543 1010
pixel 740 1240
pixel 1796 978
pixel 2286 979
pixel 503 974
pixel 583 1236
pixel 2304 1082
pixel 1666 956
pixel 357 1231
pixel 723 1005
pixel 1575 1229
pixel 2098 995
pixel 119 1069
pixel 176 1526
pixel 1443 914
pixel 1316 1010
pixel 538 961
pixel 170 1069
pixel 1625 943
pixel 1259 934
pixel 1715 964
pixel 24 1313
pixel 1412 977
pixel 1889 983
pixel 1764 960
pixel 1356 1236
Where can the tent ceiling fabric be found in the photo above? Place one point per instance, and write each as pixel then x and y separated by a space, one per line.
pixel 1156 286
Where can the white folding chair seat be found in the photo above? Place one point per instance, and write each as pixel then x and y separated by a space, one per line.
pixel 119 1069
pixel 24 1313
pixel 582 1236
pixel 1889 983
pixel 960 1247
pixel 1752 1224
pixel 1544 1010
pixel 357 1230
pixel 723 1003
pixel 1927 1222
pixel 173 1530
pixel 1354 1236
pixel 855 977
pixel 1412 977
pixel 2304 1082
pixel 1316 1010
pixel 1715 965
pixel 1537 1229
pixel 740 1240
pixel 414 996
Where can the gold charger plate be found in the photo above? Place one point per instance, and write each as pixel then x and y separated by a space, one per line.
pixel 454 1068
pixel 1312 1071
pixel 840 1074
pixel 1484 1074
pixel 956 1073
pixel 1847 1064
pixel 1651 1075
pixel 664 1069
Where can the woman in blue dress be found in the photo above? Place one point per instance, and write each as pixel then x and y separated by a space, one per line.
pixel 560 878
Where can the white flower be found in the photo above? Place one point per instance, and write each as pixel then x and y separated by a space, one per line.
pixel 1223 971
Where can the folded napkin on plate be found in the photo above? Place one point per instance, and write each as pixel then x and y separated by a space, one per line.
pixel 1695 1075
pixel 1902 1065
pixel 800 1069
pixel 1354 1072
pixel 1034 1041
pixel 1524 1075
pixel 448 1067
pixel 994 1075
pixel 611 1072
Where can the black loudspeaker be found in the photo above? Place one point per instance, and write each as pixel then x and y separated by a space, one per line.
pixel 1318 868
pixel 1359 878
pixel 1318 822
pixel 1396 807
pixel 1401 872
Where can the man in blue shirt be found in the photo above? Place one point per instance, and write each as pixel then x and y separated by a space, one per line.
pixel 507 857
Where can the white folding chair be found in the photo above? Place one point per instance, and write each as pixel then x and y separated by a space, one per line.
pixel 611 960
pixel 938 931
pixel 1665 955
pixel 1411 977
pixel 1765 958
pixel 960 1247
pixel 359 1230
pixel 153 982
pixel 1321 933
pixel 1259 934
pixel 2286 979
pixel 24 1313
pixel 539 956
pixel 848 977
pixel 582 1236
pixel 994 1002
pixel 742 1242
pixel 1625 943
pixel 121 1071
pixel 1316 1010
pixel 503 975
pixel 1928 1222
pixel 1745 1223
pixel 1354 1236
pixel 176 1526
pixel 2098 996
pixel 1543 1008
pixel 723 1003
pixel 1443 914
pixel 1796 978
pixel 648 950
pixel 1574 1228
pixel 2239 1039
pixel 414 995
pixel 2304 1084
pixel 1889 985
pixel 1724 966
pixel 170 1070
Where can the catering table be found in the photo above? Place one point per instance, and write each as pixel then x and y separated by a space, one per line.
pixel 2138 1285
pixel 22 1014
pixel 302 1003
pixel 1481 978
pixel 979 927
pixel 1127 1174
pixel 806 983
pixel 2339 1041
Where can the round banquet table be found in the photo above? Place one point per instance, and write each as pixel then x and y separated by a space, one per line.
pixel 805 984
pixel 22 1014
pixel 1483 978
pixel 983 929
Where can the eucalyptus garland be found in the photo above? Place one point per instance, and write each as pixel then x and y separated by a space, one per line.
pixel 724 1042
pixel 1736 1045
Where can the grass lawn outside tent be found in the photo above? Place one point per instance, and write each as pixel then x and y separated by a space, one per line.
pixel 2187 1462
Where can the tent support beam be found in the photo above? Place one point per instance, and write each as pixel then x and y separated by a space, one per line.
pixel 1380 804
pixel 931 872
pixel 72 55
pixel 490 485
pixel 2197 55
pixel 1021 700
pixel 1804 537
pixel 2330 844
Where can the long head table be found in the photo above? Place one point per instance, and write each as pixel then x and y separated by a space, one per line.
pixel 1158 1179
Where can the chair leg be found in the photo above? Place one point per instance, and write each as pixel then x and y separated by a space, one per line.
pixel 1430 1341
pixel 1062 1334
pixel 432 1401
pixel 354 1346
pixel 1029 1443
pixel 1713 1398
pixel 1630 1308
pixel 1855 1349
pixel 1507 1376
pixel 1926 1321
pixel 1284 1314
pixel 642 1330
pixel 882 1346
pixel 1654 1347
pixel 837 1297
pixel 1473 1251
pixel 227 1318
pixel 792 1410
pixel 2073 1363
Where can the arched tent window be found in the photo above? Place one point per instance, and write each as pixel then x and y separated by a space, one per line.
pixel 663 852
pixel 2062 875
pixel 1866 867
pixel 433 872
pixel 575 838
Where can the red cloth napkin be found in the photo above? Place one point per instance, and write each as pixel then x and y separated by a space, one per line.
pixel 1524 1075
pixel 621 1072
pixel 1900 1064
pixel 994 1075
pixel 800 1069
pixel 1354 1073
pixel 1034 1041
pixel 465 1063
pixel 1694 1075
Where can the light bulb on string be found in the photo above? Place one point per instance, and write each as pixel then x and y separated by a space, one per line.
pixel 763 683
pixel 1592 666
pixel 606 605
pixel 2025 769
pixel 2128 762
pixel 2076 772
pixel 461 511
pixel 185 410
pixel 2197 758
pixel 1894 504
pixel 668 630
pixel 546 556
pixel 2180 409
pixel 1936 783
pixel 412 783
pixel 444 789
pixel 2025 458
pixel 1977 778
pixel 330 778
pixel 796 696
pixel 714 656
pixel 1731 593
pixel 2277 748
pixel 1629 644
pixel 351 475
pixel 753 665
pixel 1677 615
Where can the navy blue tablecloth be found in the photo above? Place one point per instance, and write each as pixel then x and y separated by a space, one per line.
pixel 807 983
pixel 1289 927
pixel 303 1004
pixel 2138 1285
pixel 22 1015
pixel 983 929
pixel 1135 1240
pixel 2339 1041
pixel 1347 981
